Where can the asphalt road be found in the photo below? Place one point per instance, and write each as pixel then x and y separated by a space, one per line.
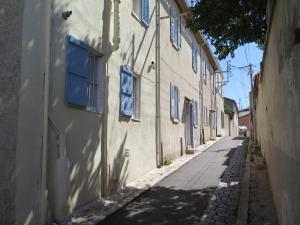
pixel 182 197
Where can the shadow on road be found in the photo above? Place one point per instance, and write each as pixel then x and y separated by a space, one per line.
pixel 162 205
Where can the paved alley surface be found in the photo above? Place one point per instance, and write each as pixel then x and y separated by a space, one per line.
pixel 205 191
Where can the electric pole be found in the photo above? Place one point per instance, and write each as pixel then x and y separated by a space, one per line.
pixel 252 102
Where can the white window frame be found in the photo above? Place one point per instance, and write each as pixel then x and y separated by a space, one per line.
pixel 137 9
pixel 136 112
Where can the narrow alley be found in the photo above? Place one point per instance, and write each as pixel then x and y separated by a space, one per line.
pixel 184 196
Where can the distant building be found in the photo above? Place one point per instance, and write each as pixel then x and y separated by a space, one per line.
pixel 231 117
pixel 245 121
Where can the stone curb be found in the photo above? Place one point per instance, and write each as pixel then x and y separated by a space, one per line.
pixel 242 217
pixel 140 189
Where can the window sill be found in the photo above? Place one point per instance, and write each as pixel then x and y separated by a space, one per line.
pixel 136 120
pixel 175 46
pixel 139 20
pixel 175 120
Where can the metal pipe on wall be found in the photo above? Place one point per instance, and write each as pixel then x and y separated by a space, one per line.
pixel 159 155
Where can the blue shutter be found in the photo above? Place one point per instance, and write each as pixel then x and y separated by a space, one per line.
pixel 193 56
pixel 178 103
pixel 179 32
pixel 172 26
pixel 172 113
pixel 126 89
pixel 145 12
pixel 193 112
pixel 197 114
pixel 77 73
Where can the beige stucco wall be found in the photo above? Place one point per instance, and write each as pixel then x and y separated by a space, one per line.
pixel 207 98
pixel 231 127
pixel 176 67
pixel 28 173
pixel 278 124
pixel 131 144
pixel 220 108
pixel 82 128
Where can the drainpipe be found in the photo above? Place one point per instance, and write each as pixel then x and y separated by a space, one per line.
pixel 159 156
pixel 44 193
pixel 111 43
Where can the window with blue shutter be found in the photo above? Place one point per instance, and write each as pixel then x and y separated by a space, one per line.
pixel 172 26
pixel 175 28
pixel 126 89
pixel 179 32
pixel 174 103
pixel 177 103
pixel 195 108
pixel 77 73
pixel 194 57
pixel 145 12
pixel 172 111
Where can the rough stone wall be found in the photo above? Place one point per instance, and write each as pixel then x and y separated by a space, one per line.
pixel 11 12
pixel 278 121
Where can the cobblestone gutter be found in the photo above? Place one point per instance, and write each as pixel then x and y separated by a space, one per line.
pixel 223 206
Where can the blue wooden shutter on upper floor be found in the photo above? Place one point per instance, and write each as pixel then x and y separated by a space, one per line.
pixel 178 103
pixel 172 26
pixel 179 32
pixel 145 12
pixel 126 89
pixel 196 113
pixel 193 56
pixel 77 73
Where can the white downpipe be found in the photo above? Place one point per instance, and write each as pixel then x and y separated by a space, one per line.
pixel 159 154
pixel 44 193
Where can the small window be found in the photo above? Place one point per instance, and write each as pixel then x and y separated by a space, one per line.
pixel 140 9
pixel 136 97
pixel 174 103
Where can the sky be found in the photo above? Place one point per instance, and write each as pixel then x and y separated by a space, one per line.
pixel 239 86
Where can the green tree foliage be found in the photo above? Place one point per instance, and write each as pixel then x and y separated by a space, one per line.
pixel 229 111
pixel 229 24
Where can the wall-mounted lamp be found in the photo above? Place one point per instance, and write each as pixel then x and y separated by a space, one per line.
pixel 66 14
